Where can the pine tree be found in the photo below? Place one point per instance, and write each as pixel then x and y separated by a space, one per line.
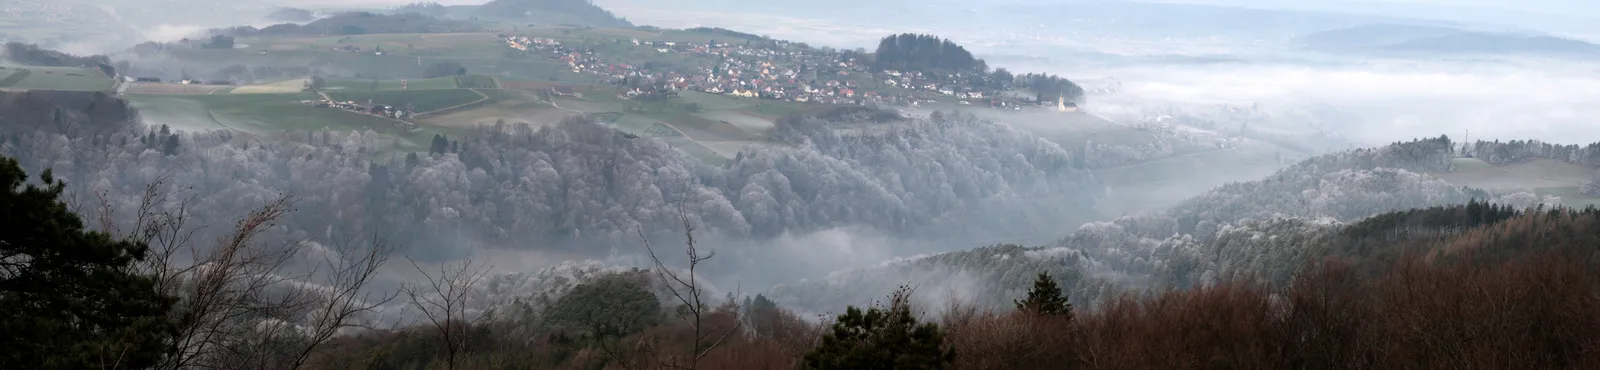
pixel 71 297
pixel 439 145
pixel 1045 298
pixel 881 338
pixel 170 147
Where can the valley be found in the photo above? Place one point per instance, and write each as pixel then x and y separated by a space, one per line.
pixel 545 184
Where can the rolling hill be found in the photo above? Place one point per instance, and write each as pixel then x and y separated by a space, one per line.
pixel 1440 40
pixel 524 12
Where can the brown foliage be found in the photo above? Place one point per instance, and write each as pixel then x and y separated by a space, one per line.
pixel 1517 294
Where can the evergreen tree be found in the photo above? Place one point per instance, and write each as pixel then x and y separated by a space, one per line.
pixel 881 338
pixel 1045 298
pixel 439 145
pixel 170 147
pixel 71 297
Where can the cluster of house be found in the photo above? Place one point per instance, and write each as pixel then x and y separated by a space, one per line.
pixel 765 72
pixel 386 111
pixel 186 81
pixel 356 49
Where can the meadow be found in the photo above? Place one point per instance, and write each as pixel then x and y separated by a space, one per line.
pixel 1541 176
pixel 332 85
pixel 53 78
pixel 396 45
pixel 265 114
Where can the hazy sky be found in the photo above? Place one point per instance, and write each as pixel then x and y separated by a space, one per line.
pixel 1527 13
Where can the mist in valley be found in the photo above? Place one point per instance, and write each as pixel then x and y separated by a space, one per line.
pixel 1256 90
pixel 1196 144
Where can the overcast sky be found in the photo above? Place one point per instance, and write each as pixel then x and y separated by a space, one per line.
pixel 1583 8
pixel 1579 8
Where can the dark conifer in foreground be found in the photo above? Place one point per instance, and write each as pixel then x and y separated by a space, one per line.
pixel 1045 298
pixel 72 297
pixel 881 338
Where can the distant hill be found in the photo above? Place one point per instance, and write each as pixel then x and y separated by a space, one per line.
pixel 573 12
pixel 64 24
pixel 580 12
pixel 358 23
pixel 291 15
pixel 1399 38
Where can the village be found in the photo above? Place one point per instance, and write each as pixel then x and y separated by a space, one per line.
pixel 764 72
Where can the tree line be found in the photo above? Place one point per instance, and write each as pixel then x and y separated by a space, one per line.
pixel 575 185
pixel 909 52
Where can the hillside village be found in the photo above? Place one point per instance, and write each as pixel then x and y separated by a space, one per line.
pixel 766 71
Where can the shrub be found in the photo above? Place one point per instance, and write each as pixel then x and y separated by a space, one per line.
pixel 881 338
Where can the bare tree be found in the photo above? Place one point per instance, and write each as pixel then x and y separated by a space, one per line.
pixel 688 292
pixel 344 297
pixel 238 304
pixel 445 304
pixel 231 288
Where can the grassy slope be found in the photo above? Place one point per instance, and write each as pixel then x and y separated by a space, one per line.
pixel 1542 176
pixel 53 78
pixel 422 100
pixel 263 113
pixel 357 85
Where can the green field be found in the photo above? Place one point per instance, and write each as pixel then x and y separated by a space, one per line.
pixel 1470 164
pixel 53 78
pixel 642 126
pixel 420 100
pixel 394 45
pixel 476 82
pixel 263 114
pixel 578 34
pixel 1529 175
pixel 1541 176
pixel 353 84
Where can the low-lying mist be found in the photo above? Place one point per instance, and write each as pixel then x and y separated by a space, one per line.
pixel 1369 102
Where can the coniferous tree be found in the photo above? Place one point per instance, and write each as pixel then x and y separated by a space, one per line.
pixel 1045 298
pixel 881 338
pixel 439 145
pixel 170 147
pixel 71 297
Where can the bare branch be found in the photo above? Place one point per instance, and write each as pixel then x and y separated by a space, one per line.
pixel 345 298
pixel 687 291
pixel 445 306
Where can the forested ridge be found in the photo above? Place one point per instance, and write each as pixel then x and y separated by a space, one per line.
pixel 1251 228
pixel 573 185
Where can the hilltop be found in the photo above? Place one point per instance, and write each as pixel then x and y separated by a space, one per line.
pixel 1412 39
pixel 64 23
pixel 537 12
